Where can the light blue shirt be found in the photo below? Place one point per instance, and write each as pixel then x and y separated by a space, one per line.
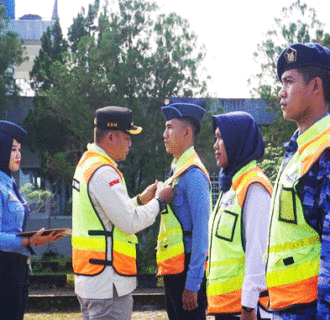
pixel 191 204
pixel 11 217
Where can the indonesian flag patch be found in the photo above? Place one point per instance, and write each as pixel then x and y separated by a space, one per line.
pixel 112 183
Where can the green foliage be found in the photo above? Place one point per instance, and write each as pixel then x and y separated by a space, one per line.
pixel 37 198
pixel 51 255
pixel 11 54
pixel 271 161
pixel 51 263
pixel 48 132
pixel 280 131
pixel 33 194
pixel 53 47
pixel 128 57
pixel 297 23
pixel 59 166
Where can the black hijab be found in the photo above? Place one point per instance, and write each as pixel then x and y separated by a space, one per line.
pixel 8 132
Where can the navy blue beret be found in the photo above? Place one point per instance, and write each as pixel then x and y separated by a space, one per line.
pixel 300 55
pixel 183 107
pixel 13 130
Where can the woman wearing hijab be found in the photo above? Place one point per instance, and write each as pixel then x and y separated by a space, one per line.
pixel 14 249
pixel 239 221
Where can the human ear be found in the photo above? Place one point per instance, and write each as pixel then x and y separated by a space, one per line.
pixel 317 84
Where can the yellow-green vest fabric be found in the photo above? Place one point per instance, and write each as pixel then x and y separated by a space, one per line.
pixel 226 264
pixel 170 244
pixel 89 237
pixel 293 245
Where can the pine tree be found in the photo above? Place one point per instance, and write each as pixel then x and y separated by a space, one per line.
pixel 53 49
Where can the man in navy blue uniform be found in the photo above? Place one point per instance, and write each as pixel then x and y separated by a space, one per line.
pixel 299 227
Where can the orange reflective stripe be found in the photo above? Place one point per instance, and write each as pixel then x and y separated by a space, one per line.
pixel 82 253
pixel 302 148
pixel 193 160
pixel 89 171
pixel 301 292
pixel 124 264
pixel 251 176
pixel 296 284
pixel 323 142
pixel 171 226
pixel 81 265
pixel 173 265
pixel 82 159
pixel 310 159
pixel 103 161
pixel 254 179
pixel 225 303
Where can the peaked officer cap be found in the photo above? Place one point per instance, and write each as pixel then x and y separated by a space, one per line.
pixel 116 118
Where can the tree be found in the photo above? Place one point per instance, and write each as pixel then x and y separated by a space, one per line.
pixel 83 26
pixel 53 49
pixel 11 55
pixel 127 58
pixel 297 23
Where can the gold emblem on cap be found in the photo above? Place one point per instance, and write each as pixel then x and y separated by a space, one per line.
pixel 166 102
pixel 112 124
pixel 290 55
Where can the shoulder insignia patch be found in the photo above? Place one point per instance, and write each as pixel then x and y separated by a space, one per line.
pixel 76 184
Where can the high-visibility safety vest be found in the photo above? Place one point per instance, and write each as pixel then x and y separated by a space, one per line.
pixel 89 237
pixel 170 254
pixel 226 263
pixel 293 245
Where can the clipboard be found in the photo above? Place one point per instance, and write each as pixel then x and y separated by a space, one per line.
pixel 64 231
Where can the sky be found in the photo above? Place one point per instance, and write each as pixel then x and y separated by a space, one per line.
pixel 230 31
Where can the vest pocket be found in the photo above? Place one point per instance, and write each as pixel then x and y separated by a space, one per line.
pixel 226 226
pixel 287 206
pixel 167 243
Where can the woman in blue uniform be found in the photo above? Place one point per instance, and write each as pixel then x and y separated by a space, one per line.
pixel 14 249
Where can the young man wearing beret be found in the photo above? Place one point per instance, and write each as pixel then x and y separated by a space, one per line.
pixel 183 237
pixel 105 220
pixel 298 269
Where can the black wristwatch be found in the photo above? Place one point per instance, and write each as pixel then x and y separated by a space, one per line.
pixel 247 309
pixel 162 203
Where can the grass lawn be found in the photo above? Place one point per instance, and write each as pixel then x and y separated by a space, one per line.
pixel 143 315
pixel 137 315
pixel 53 316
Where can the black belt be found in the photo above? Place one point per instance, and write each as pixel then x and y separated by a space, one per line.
pixel 20 258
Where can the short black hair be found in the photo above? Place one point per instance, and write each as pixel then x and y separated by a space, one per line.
pixel 101 133
pixel 312 72
pixel 193 123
